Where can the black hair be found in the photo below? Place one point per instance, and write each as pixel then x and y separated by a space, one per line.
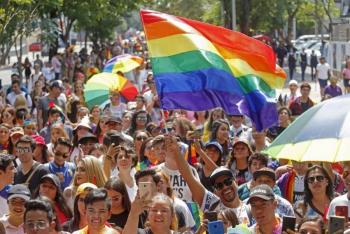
pixel 5 161
pixel 215 127
pixel 142 156
pixel 15 82
pixel 284 108
pixel 60 201
pixel 319 222
pixel 147 172
pixel 63 141
pixel 263 158
pixel 53 110
pixel 27 139
pixel 21 113
pixel 133 126
pixel 40 205
pixel 118 185
pixel 96 195
pixel 329 189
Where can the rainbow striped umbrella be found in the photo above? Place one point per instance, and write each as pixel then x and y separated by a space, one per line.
pixel 123 63
pixel 322 133
pixel 96 90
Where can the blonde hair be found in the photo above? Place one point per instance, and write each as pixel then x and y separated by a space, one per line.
pixel 94 172
pixel 60 128
pixel 166 178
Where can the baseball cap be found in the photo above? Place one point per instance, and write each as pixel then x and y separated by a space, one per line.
pixel 265 171
pixel 292 82
pixel 53 178
pixel 19 191
pixel 215 144
pixel 220 171
pixel 39 140
pixel 262 191
pixel 83 187
pixel 16 130
pixel 114 119
pixel 88 136
pixel 57 84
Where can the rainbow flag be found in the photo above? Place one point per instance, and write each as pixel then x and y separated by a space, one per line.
pixel 198 66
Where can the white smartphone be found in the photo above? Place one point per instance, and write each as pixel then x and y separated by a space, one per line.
pixel 145 188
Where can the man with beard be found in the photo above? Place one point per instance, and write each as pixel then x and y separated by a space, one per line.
pixel 225 189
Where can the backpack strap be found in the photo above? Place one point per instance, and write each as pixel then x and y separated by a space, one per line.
pixel 36 166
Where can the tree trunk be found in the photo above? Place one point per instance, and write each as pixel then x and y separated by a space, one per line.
pixel 244 16
pixel 5 53
pixel 289 29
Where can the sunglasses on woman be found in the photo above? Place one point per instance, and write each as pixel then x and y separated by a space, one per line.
pixel 220 185
pixel 312 179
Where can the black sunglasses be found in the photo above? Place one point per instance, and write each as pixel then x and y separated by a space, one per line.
pixel 141 138
pixel 318 178
pixel 220 185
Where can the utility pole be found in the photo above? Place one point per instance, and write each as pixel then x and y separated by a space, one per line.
pixel 234 15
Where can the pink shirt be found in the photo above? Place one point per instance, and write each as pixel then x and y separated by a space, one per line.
pixel 346 73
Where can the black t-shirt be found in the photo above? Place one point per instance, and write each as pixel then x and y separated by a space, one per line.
pixel 204 179
pixel 33 183
pixel 119 219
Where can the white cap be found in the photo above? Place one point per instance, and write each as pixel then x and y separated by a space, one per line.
pixel 293 82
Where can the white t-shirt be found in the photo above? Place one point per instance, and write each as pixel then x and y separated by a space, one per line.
pixel 183 208
pixel 339 201
pixel 118 111
pixel 178 183
pixel 4 208
pixel 210 199
pixel 48 73
pixel 322 70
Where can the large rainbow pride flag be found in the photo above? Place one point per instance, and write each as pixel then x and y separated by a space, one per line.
pixel 198 66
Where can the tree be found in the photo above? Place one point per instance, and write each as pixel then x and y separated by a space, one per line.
pixel 16 17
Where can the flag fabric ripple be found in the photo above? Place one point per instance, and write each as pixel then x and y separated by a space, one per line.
pixel 198 66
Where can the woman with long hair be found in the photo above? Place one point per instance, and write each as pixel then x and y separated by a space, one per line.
pixel 139 121
pixel 200 117
pixel 50 187
pixel 101 128
pixel 121 203
pixel 140 137
pixel 8 116
pixel 89 170
pixel 95 113
pixel 318 194
pixel 4 137
pixel 182 126
pixel 41 153
pixel 238 162
pixel 214 114
pixel 220 132
pixel 161 215
pixel 57 131
pixel 78 221
pixel 147 156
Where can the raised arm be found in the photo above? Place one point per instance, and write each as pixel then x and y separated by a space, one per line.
pixel 173 150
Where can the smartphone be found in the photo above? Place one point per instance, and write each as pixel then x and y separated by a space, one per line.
pixel 336 224
pixel 342 211
pixel 198 133
pixel 216 227
pixel 288 222
pixel 145 188
pixel 211 216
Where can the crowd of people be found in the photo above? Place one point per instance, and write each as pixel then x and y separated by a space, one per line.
pixel 134 168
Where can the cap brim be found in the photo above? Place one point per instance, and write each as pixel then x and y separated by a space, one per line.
pixel 266 198
pixel 24 197
pixel 265 173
